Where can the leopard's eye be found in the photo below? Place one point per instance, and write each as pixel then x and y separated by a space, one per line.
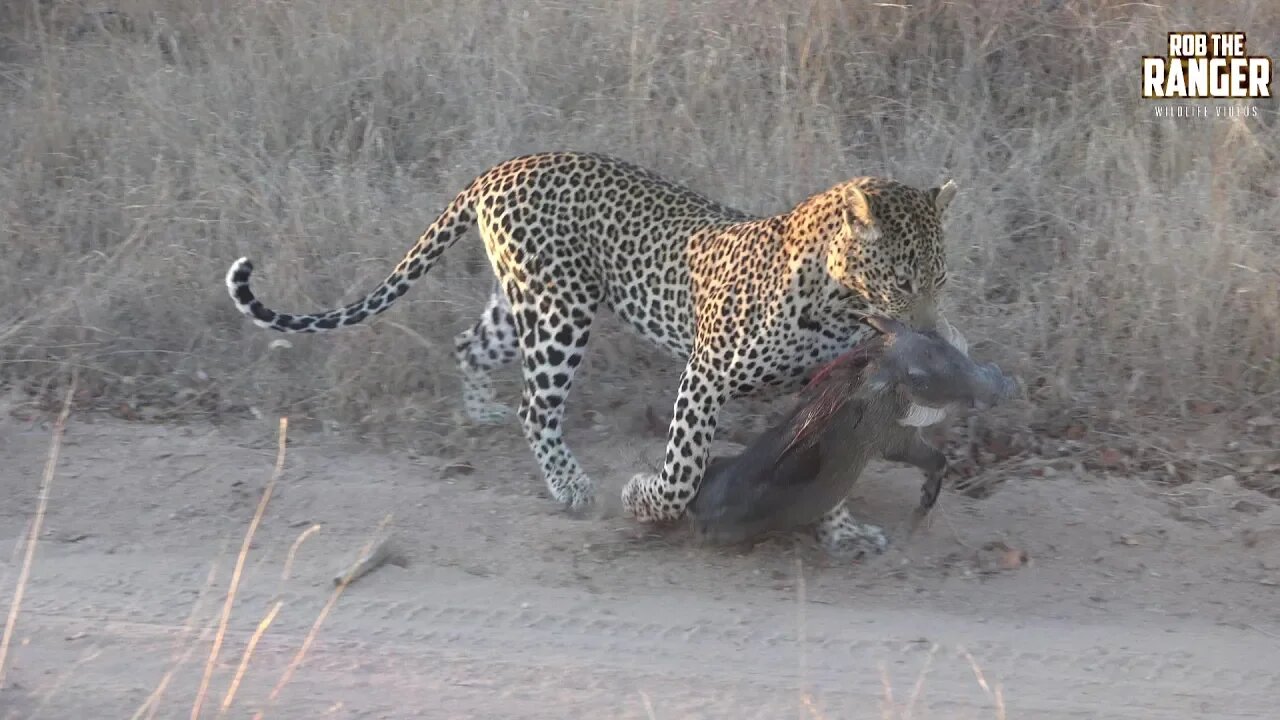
pixel 906 284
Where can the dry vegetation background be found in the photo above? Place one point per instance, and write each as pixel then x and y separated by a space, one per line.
pixel 1128 267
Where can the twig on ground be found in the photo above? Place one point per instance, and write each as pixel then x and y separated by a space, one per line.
pixel 315 626
pixel 384 551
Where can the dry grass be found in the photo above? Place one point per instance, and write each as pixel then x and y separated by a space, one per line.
pixel 234 586
pixel 152 703
pixel 37 520
pixel 1124 264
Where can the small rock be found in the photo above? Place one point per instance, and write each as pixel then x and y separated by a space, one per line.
pixel 456 469
pixel 1226 484
pixel 1202 408
pixel 1111 458
pixel 1245 506
pixel 1265 538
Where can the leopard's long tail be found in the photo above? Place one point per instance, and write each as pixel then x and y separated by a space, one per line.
pixel 452 224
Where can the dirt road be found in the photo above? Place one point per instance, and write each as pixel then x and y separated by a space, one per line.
pixel 1134 604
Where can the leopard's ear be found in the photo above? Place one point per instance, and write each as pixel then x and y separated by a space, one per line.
pixel 857 210
pixel 942 196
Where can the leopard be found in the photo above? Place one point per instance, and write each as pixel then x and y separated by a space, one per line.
pixel 751 304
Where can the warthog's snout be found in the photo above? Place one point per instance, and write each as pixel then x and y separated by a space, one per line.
pixel 991 386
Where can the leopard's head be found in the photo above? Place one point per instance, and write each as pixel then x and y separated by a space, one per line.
pixel 890 251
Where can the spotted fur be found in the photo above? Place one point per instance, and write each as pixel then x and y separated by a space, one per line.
pixel 748 303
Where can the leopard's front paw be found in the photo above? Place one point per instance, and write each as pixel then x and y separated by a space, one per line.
pixel 575 492
pixel 643 498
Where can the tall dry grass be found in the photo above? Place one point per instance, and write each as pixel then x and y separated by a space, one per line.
pixel 1124 264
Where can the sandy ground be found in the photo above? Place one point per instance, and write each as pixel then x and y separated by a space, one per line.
pixel 1136 602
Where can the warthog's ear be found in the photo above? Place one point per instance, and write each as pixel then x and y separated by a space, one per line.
pixel 942 196
pixel 885 325
pixel 953 336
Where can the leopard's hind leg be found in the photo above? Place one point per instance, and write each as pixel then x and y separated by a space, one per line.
pixel 488 345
